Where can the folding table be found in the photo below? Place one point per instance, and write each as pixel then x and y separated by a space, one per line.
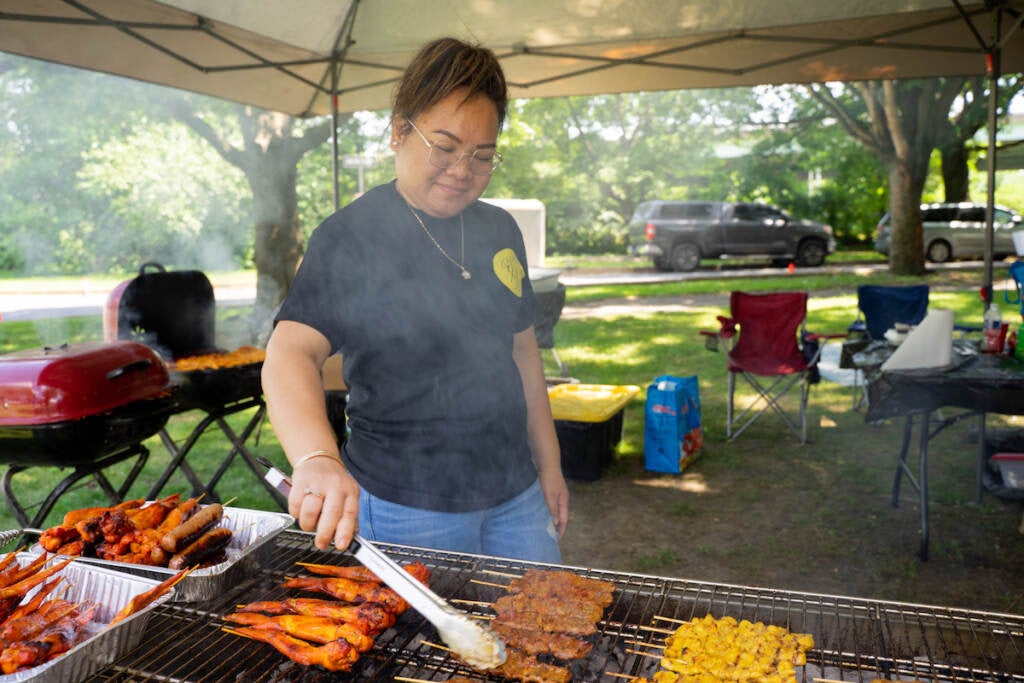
pixel 976 383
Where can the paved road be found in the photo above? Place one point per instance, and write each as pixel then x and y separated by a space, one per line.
pixel 88 300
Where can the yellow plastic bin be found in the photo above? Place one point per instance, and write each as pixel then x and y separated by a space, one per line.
pixel 588 421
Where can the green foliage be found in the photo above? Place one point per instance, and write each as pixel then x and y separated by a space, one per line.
pixel 172 199
pixel 98 176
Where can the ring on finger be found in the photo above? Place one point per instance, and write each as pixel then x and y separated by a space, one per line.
pixel 312 492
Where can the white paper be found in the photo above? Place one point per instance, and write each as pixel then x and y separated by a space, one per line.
pixel 929 345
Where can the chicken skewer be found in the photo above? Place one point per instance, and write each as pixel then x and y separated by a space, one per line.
pixel 360 573
pixel 337 655
pixel 351 591
pixel 143 600
pixel 11 595
pixel 314 629
pixel 369 616
pixel 56 639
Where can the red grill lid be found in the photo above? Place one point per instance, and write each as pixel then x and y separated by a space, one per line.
pixel 73 381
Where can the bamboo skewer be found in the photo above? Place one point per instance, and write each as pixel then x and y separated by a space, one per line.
pixel 671 620
pixel 488 583
pixel 477 603
pixel 495 572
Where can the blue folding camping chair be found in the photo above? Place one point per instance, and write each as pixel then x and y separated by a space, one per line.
pixel 879 308
pixel 882 306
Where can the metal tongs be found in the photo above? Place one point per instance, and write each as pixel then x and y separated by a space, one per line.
pixel 471 640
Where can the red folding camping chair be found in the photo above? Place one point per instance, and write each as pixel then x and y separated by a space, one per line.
pixel 767 345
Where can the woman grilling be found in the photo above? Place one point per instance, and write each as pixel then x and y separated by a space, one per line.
pixel 424 291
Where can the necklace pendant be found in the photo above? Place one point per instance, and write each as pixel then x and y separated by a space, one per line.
pixel 466 274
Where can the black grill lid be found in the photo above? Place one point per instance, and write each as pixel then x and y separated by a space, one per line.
pixel 170 311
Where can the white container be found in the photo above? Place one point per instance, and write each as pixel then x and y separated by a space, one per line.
pixel 531 217
pixel 1011 466
pixel 1018 241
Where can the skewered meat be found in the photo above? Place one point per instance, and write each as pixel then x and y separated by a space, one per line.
pixel 337 655
pixel 179 538
pixel 548 615
pixel 153 515
pixel 181 512
pixel 368 616
pixel 529 669
pixel 15 572
pixel 37 599
pixel 735 650
pixel 11 595
pixel 73 517
pixel 138 534
pixel 314 629
pixel 31 624
pixel 537 642
pixel 243 355
pixel 203 549
pixel 142 600
pixel 351 591
pixel 361 573
pixel 56 639
pixel 563 586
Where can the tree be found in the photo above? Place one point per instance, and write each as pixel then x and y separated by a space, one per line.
pixel 899 122
pixel 268 153
pixel 961 127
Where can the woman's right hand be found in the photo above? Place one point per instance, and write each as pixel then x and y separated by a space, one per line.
pixel 325 499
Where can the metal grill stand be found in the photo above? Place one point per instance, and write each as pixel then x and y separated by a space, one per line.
pixel 217 417
pixel 81 471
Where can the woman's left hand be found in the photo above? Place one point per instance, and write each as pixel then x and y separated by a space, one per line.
pixel 556 493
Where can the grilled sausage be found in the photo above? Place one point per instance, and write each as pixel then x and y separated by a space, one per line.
pixel 181 536
pixel 202 549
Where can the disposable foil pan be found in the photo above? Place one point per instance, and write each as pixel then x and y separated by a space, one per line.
pixel 251 531
pixel 111 591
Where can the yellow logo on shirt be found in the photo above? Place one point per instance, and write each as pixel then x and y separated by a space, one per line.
pixel 509 271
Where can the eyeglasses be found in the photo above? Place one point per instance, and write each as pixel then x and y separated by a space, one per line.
pixel 481 161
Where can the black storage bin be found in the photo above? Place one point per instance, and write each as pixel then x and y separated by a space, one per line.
pixel 588 447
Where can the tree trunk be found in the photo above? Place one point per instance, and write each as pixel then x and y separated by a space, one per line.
pixel 955 174
pixel 906 252
pixel 278 244
pixel 269 157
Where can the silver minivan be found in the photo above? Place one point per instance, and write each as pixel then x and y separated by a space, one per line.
pixel 957 231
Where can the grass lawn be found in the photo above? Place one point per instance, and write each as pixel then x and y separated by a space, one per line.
pixel 760 510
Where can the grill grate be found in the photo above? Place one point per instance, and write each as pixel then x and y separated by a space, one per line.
pixel 855 639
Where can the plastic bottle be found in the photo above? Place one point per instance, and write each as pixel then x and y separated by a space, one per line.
pixel 992 328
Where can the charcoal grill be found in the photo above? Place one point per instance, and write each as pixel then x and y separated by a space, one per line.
pixel 855 639
pixel 174 312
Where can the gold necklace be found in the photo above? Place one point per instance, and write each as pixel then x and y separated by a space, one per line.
pixel 462 229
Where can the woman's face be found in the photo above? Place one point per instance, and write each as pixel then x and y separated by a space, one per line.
pixel 452 124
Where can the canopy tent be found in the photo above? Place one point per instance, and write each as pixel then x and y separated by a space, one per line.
pixel 315 57
pixel 293 56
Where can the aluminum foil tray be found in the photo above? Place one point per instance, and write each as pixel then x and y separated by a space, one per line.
pixel 111 590
pixel 249 548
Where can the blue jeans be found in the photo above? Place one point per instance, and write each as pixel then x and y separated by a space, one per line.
pixel 521 528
